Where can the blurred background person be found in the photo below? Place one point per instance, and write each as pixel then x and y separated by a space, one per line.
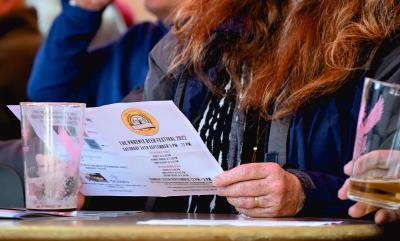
pixel 112 27
pixel 66 70
pixel 20 39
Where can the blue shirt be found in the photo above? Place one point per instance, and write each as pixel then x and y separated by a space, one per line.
pixel 64 70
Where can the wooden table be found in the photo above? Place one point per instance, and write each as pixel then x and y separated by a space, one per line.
pixel 125 227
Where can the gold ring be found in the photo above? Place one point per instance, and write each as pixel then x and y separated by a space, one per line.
pixel 256 202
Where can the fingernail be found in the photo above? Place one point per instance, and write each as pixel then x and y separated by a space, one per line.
pixel 350 212
pixel 340 194
pixel 216 180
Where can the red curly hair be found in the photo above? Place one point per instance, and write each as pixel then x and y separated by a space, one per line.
pixel 297 51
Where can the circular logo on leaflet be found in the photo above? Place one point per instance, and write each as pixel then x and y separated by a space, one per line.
pixel 140 122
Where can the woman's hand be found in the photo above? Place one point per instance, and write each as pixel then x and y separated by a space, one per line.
pixel 261 190
pixel 91 5
pixel 361 209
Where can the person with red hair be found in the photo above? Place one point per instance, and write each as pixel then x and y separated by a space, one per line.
pixel 273 88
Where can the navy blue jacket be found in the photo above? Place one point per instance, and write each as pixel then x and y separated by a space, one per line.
pixel 65 71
